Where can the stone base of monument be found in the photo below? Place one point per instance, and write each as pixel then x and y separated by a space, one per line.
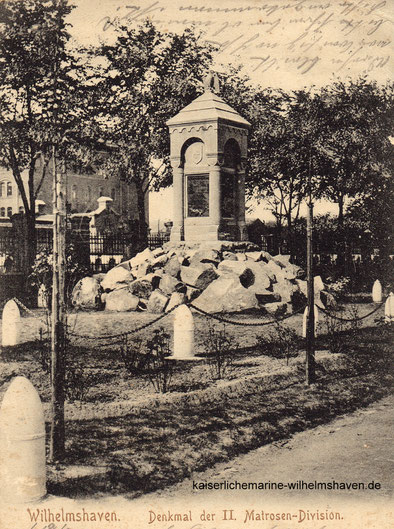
pixel 215 277
pixel 232 246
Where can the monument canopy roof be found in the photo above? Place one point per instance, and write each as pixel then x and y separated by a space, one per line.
pixel 205 108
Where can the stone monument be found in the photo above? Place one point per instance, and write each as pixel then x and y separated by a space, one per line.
pixel 208 142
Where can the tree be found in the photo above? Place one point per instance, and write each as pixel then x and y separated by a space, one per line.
pixel 38 93
pixel 355 149
pixel 146 78
pixel 283 140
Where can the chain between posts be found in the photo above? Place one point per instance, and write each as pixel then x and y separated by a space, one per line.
pixel 349 320
pixel 246 324
pixel 123 335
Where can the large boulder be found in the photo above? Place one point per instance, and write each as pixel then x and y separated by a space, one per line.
pixel 265 296
pixel 117 277
pixel 121 301
pixel 276 306
pixel 292 272
pixel 262 280
pixel 158 262
pixel 229 256
pixel 173 266
pixel 198 276
pixel 286 290
pixel 205 256
pixel 254 256
pixel 276 269
pixel 157 302
pixel 282 259
pixel 142 287
pixel 142 270
pixel 147 256
pixel 86 293
pixel 226 294
pixel 170 284
pixel 177 298
pixel 240 269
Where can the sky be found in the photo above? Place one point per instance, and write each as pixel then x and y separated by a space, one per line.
pixel 288 44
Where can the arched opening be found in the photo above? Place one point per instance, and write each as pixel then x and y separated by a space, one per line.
pixel 228 183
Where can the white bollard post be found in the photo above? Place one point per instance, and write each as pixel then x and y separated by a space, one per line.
pixel 377 292
pixel 183 333
pixel 22 444
pixel 11 322
pixel 389 308
pixel 305 317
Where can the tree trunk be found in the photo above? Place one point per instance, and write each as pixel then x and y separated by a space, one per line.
pixel 30 241
pixel 142 225
pixel 341 243
pixel 290 244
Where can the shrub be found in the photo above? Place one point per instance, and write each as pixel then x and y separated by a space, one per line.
pixel 220 349
pixel 133 356
pixel 42 271
pixel 159 368
pixel 281 342
pixel 339 335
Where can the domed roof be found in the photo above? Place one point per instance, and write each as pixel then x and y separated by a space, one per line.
pixel 207 108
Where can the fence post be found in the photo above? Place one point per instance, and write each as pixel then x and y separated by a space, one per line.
pixel 11 322
pixel 377 292
pixel 22 444
pixel 305 317
pixel 183 333
pixel 389 308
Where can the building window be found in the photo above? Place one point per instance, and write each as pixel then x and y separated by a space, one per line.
pixel 9 189
pixel 2 212
pixel 89 194
pixel 101 191
pixel 113 193
pixel 9 212
pixel 1 189
pixel 21 209
pixel 74 193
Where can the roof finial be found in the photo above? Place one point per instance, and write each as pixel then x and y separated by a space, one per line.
pixel 211 82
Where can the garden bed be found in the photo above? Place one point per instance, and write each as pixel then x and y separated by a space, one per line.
pixel 125 438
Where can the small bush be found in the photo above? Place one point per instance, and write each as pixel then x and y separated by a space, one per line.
pixel 339 335
pixel 220 349
pixel 159 368
pixel 282 342
pixel 77 381
pixel 133 356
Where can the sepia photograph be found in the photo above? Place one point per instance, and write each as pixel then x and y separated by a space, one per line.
pixel 196 264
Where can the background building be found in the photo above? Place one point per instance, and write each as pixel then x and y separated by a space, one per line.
pixel 83 190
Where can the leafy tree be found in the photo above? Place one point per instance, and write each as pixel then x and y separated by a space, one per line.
pixel 38 95
pixel 356 153
pixel 283 143
pixel 146 78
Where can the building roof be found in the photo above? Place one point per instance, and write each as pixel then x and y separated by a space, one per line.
pixel 208 107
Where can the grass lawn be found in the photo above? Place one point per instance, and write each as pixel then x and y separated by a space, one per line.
pixel 125 438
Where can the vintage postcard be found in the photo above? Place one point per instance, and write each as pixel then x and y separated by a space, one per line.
pixel 206 440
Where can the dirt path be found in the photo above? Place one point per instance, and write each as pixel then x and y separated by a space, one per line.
pixel 354 448
pixel 357 447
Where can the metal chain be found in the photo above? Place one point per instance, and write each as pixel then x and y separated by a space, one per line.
pixel 18 302
pixel 245 324
pixel 137 329
pixel 350 320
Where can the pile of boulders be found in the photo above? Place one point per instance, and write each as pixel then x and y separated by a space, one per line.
pixel 215 278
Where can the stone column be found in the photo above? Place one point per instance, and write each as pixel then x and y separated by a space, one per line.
pixel 214 198
pixel 177 233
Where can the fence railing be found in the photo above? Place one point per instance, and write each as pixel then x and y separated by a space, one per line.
pixel 102 251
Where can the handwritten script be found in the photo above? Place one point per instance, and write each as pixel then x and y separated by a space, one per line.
pixel 297 37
